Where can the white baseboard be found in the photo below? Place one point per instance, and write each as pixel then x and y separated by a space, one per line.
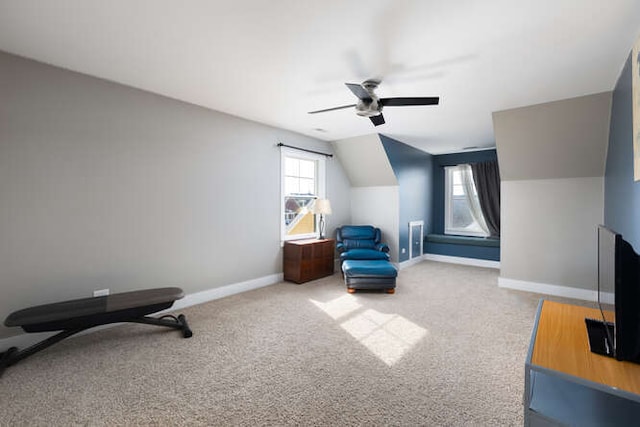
pixel 410 262
pixel 225 291
pixel 555 290
pixel 464 261
pixel 26 340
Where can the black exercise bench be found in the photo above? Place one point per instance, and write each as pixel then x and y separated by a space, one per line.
pixel 71 317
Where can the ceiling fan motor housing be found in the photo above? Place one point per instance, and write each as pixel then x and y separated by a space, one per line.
pixel 369 108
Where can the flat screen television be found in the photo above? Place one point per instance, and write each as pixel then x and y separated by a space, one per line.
pixel 617 332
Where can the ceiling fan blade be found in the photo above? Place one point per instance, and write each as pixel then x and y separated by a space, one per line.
pixel 359 91
pixel 399 102
pixel 331 109
pixel 377 120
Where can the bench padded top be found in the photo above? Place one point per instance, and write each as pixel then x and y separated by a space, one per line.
pixel 61 311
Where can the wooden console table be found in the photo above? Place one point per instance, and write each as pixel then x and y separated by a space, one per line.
pixel 567 384
pixel 305 260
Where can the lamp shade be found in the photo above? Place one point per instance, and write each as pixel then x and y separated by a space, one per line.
pixel 322 206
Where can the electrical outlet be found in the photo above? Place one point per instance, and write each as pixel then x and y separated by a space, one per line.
pixel 404 250
pixel 101 293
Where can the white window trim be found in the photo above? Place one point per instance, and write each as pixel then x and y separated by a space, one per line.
pixel 321 183
pixel 448 188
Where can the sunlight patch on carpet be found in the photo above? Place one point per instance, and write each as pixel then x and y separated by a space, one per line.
pixel 388 336
pixel 338 307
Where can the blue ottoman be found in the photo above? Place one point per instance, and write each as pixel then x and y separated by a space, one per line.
pixel 369 274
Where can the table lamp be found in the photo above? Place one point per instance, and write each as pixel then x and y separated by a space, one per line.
pixel 322 207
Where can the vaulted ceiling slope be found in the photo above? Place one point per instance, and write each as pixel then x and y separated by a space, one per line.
pixel 561 139
pixel 365 161
pixel 272 62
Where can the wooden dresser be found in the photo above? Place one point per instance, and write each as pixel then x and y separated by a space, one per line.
pixel 306 260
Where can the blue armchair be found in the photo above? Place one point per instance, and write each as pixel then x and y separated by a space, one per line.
pixel 361 242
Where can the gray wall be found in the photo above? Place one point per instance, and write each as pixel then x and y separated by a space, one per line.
pixel 551 164
pixel 105 186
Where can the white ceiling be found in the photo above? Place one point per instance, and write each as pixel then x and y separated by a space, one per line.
pixel 272 61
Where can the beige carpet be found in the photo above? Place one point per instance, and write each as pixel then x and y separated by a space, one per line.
pixel 447 349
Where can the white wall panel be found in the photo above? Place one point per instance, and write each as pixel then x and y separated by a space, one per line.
pixel 380 207
pixel 549 231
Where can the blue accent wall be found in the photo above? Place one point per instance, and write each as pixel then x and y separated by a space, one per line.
pixel 458 250
pixel 440 161
pixel 621 192
pixel 413 170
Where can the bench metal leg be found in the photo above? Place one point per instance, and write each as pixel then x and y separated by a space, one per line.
pixel 13 355
pixel 5 358
pixel 170 321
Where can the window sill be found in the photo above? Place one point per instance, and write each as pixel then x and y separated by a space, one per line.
pixel 463 240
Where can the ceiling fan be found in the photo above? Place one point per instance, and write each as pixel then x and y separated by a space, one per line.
pixel 369 105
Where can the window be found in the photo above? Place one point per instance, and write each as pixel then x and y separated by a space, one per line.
pixel 462 212
pixel 302 184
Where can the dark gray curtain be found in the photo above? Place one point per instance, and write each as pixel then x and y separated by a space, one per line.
pixel 486 176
